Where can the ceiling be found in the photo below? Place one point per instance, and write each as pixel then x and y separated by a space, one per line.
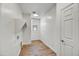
pixel 39 8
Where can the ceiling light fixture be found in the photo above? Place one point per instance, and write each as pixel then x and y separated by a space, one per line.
pixel 35 14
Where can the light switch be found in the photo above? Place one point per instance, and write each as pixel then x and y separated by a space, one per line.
pixel 17 37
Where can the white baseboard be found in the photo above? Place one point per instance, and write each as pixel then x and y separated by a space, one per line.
pixel 19 52
pixel 50 47
pixel 35 39
pixel 26 43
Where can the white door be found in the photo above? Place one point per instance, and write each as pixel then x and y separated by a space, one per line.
pixel 69 30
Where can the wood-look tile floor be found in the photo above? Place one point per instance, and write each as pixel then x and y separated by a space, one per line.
pixel 37 48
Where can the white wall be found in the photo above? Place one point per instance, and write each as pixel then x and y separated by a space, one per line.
pixel 35 35
pixel 9 44
pixel 49 29
pixel 27 31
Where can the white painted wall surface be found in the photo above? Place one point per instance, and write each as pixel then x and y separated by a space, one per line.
pixel 49 29
pixel 27 30
pixel 35 35
pixel 9 45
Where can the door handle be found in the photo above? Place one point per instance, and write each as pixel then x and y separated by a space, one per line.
pixel 62 41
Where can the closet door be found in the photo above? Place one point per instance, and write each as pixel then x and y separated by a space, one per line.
pixel 68 30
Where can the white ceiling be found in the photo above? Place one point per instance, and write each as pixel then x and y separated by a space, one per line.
pixel 40 8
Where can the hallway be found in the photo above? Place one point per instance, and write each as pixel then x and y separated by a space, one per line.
pixel 37 48
pixel 39 29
